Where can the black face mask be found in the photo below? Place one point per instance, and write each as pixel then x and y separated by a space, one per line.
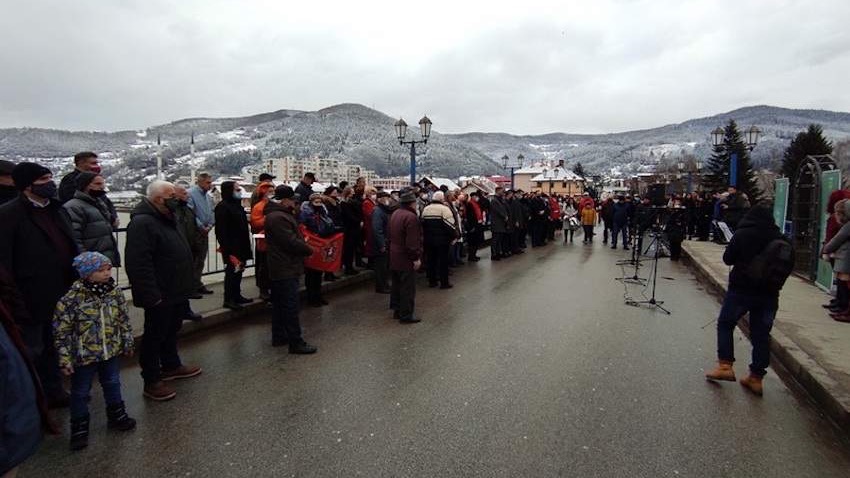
pixel 172 204
pixel 96 193
pixel 46 190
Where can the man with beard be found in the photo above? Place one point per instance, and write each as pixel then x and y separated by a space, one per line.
pixel 37 248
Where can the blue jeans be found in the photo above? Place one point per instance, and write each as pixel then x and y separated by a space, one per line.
pixel 109 375
pixel 762 312
pixel 285 323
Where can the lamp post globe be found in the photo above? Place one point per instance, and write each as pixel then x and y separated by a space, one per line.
pixel 505 161
pixel 753 136
pixel 521 160
pixel 425 127
pixel 400 129
pixel 718 136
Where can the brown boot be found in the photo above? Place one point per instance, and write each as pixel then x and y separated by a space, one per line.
pixel 753 383
pixel 159 391
pixel 723 371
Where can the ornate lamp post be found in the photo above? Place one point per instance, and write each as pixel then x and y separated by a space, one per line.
pixel 696 167
pixel 401 131
pixel 718 137
pixel 507 164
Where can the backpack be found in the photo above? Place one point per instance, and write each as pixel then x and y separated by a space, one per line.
pixel 772 266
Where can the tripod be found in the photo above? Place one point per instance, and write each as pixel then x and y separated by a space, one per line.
pixel 652 301
pixel 634 261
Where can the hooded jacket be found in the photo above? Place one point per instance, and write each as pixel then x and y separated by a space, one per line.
pixel 90 328
pixel 158 259
pixel 91 226
pixel 231 225
pixel 754 232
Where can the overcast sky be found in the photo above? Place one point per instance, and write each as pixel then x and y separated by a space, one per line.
pixel 522 67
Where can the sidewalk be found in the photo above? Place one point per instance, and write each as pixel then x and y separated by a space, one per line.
pixel 806 342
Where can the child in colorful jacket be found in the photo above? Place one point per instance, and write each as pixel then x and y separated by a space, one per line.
pixel 91 332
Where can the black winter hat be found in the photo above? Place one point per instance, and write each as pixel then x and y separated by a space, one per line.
pixel 284 192
pixel 84 179
pixel 24 174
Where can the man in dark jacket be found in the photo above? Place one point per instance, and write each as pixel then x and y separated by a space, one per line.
pixel 90 218
pixel 8 191
pixel 620 217
pixel 37 249
pixel 499 218
pixel 84 162
pixel 159 265
pixel 755 231
pixel 539 217
pixel 188 225
pixel 606 212
pixel 305 187
pixel 439 231
pixel 405 236
pixel 285 251
pixel 380 249
pixel 234 241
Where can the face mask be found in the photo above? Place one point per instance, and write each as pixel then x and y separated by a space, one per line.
pixel 95 169
pixel 46 190
pixel 172 204
pixel 96 193
pixel 237 195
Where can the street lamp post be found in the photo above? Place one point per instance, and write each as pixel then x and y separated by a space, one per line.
pixel 401 131
pixel 719 136
pixel 697 166
pixel 512 166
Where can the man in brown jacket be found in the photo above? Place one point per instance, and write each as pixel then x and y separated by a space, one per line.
pixel 285 253
pixel 405 238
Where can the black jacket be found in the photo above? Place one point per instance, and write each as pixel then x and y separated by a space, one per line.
pixel 285 246
pixel 351 213
pixel 7 193
pixel 754 232
pixel 91 225
pixel 41 272
pixel 231 226
pixel 303 191
pixel 157 259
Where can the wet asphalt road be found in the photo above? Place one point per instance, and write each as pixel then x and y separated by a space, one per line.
pixel 528 367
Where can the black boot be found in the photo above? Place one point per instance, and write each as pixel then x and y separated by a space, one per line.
pixel 79 433
pixel 117 418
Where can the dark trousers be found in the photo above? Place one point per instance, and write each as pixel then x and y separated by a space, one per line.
pixel 588 233
pixel 675 248
pixel 508 240
pixel 403 293
pixel 313 284
pixel 200 259
pixel 762 312
pixel 39 341
pixel 109 376
pixel 538 233
pixel 350 243
pixel 382 272
pixel 438 264
pixel 261 272
pixel 523 233
pixel 618 229
pixel 496 242
pixel 159 342
pixel 473 241
pixel 285 323
pixel 607 226
pixel 232 282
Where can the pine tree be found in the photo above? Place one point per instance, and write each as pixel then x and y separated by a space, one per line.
pixel 716 177
pixel 579 169
pixel 807 143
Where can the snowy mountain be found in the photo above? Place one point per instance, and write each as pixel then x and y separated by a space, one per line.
pixel 365 136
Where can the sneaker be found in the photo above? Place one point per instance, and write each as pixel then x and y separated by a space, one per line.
pixel 159 392
pixel 183 371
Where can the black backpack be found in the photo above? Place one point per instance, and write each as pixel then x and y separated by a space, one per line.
pixel 772 266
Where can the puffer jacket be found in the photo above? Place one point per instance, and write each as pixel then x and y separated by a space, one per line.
pixel 839 245
pixel 754 232
pixel 90 328
pixel 91 226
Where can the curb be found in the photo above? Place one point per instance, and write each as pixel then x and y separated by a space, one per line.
pixel 799 365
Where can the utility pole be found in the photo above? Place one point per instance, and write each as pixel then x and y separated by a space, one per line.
pixel 192 158
pixel 159 174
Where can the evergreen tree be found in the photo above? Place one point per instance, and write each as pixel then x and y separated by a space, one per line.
pixel 716 177
pixel 579 169
pixel 807 143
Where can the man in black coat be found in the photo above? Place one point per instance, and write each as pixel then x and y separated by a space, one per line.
pixel 37 248
pixel 755 231
pixel 234 240
pixel 305 188
pixel 499 219
pixel 8 191
pixel 159 264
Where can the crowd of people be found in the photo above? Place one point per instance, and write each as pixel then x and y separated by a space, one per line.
pixel 63 312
